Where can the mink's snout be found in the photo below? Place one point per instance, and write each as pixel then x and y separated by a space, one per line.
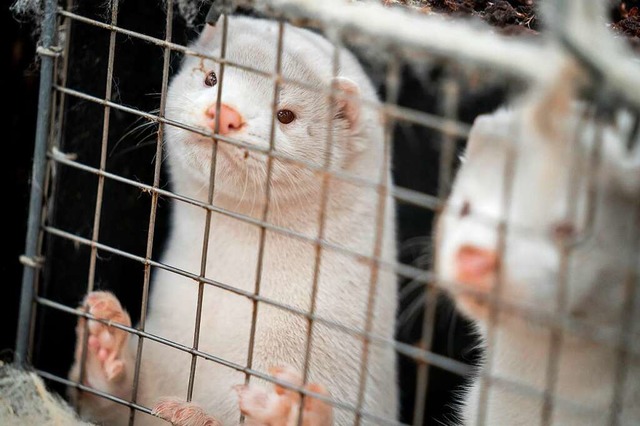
pixel 476 266
pixel 230 119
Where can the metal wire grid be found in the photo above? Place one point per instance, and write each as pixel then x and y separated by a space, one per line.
pixel 49 132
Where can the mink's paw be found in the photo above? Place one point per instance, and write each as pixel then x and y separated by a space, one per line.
pixel 104 361
pixel 181 413
pixel 280 406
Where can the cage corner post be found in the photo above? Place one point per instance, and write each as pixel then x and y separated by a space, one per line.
pixel 29 259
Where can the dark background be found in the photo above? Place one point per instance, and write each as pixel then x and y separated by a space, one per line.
pixel 20 86
pixel 125 210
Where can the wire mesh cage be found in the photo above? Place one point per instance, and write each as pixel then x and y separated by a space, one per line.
pixel 271 223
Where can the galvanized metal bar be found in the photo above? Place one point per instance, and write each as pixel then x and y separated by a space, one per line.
pixel 393 91
pixel 57 107
pixel 89 389
pixel 496 305
pixel 324 200
pixel 627 314
pixel 56 132
pixel 101 182
pixel 450 93
pixel 31 268
pixel 154 207
pixel 207 226
pixel 450 100
pixel 574 185
pixel 267 201
pixel 103 148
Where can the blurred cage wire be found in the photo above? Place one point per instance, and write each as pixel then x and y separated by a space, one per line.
pixel 469 52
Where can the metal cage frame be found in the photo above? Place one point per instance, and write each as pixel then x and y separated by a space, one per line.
pixel 512 57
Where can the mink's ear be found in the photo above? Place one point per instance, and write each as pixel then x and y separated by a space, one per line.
pixel 210 32
pixel 551 105
pixel 347 103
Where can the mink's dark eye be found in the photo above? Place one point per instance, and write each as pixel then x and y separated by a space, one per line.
pixel 286 116
pixel 211 79
pixel 466 209
pixel 563 230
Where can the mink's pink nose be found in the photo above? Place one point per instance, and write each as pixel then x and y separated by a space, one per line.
pixel 230 119
pixel 476 266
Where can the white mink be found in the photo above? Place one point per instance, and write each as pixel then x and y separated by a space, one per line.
pixel 288 267
pixel 546 138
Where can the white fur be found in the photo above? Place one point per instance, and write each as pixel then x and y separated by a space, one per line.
pixel 287 273
pixel 539 134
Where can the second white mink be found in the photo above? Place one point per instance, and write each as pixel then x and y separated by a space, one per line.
pixel 301 130
pixel 555 195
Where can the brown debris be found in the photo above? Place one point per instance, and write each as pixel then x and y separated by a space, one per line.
pixel 518 17
pixel 501 13
pixel 629 26
pixel 626 21
pixel 516 30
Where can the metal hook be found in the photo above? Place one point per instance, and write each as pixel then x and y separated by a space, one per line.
pixel 218 8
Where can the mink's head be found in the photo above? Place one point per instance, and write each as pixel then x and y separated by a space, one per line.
pixel 568 209
pixel 306 117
